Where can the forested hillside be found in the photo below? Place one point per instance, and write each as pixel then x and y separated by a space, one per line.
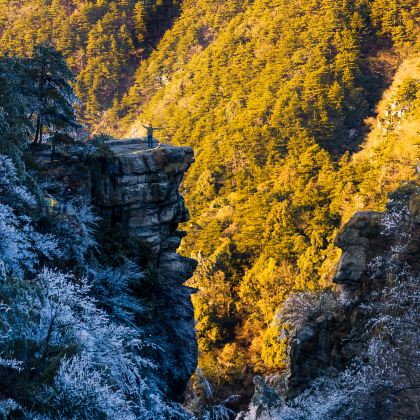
pixel 300 112
pixel 103 41
pixel 276 98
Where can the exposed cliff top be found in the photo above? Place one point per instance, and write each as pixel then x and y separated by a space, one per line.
pixel 122 148
pixel 135 157
pixel 138 145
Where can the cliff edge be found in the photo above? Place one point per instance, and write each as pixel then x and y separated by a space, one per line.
pixel 135 191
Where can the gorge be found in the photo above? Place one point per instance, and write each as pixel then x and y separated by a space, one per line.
pixel 261 261
pixel 136 192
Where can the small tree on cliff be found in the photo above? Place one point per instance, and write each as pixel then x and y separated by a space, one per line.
pixel 54 96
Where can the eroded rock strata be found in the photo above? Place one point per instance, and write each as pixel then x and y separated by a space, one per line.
pixel 135 190
pixel 137 193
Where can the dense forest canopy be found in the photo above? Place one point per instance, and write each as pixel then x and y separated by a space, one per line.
pixel 103 41
pixel 276 98
pixel 281 101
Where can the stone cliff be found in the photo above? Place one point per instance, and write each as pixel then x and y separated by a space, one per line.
pixel 329 343
pixel 135 191
pixel 354 350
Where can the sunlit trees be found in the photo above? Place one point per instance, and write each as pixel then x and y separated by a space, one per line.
pixel 398 20
pixel 271 97
pixel 102 41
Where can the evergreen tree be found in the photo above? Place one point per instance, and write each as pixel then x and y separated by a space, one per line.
pixel 15 124
pixel 52 92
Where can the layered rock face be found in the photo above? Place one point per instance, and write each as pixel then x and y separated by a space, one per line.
pixel 135 191
pixel 354 351
pixel 324 344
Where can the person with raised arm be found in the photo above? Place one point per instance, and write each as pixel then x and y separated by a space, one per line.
pixel 150 130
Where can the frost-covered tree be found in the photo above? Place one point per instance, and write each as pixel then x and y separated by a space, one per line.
pixel 68 358
pixel 113 287
pixel 20 243
pixel 299 308
pixel 74 226
pixel 69 344
pixel 12 189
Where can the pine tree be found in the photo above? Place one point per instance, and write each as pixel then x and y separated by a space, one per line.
pixel 53 94
pixel 15 123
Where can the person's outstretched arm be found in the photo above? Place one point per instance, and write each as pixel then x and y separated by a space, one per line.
pixel 144 126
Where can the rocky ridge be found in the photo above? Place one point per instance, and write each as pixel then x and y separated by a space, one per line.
pixel 330 342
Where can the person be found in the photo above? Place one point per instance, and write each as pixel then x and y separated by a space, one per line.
pixel 150 130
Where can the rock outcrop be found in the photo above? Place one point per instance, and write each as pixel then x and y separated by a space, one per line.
pixel 315 349
pixel 137 194
pixel 359 242
pixel 328 344
pixel 135 190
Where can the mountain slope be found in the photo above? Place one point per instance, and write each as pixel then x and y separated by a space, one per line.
pixel 103 41
pixel 277 98
pixel 272 98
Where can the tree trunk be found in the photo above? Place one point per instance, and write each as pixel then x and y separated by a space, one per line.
pixel 38 124
pixel 40 131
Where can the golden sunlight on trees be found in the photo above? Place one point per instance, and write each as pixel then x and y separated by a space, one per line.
pixel 281 101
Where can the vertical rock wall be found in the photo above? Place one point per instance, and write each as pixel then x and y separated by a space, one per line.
pixel 136 191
